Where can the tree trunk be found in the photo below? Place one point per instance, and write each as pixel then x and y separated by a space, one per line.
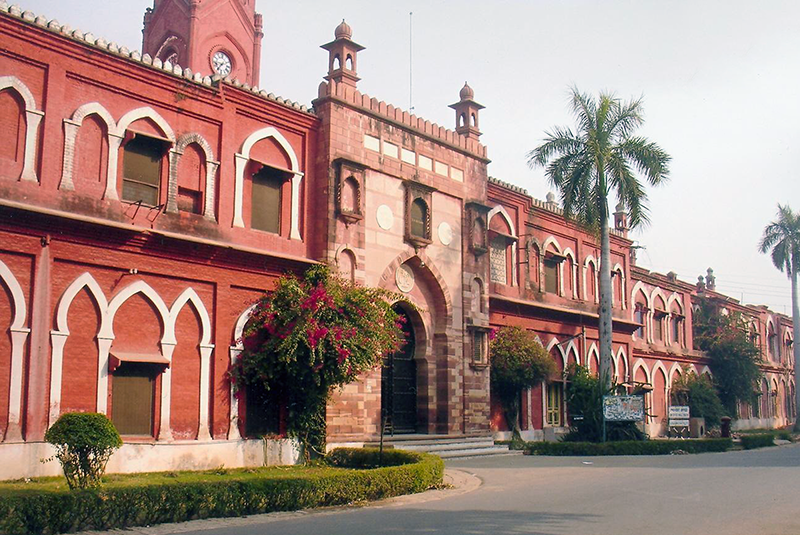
pixel 605 327
pixel 795 345
pixel 512 417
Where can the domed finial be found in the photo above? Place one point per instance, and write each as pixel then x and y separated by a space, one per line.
pixel 551 198
pixel 343 31
pixel 620 206
pixel 466 92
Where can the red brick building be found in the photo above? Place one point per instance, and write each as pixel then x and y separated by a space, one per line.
pixel 147 199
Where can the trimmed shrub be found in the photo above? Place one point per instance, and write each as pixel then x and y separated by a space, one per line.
pixel 370 457
pixel 628 447
pixel 178 497
pixel 761 440
pixel 84 442
pixel 784 434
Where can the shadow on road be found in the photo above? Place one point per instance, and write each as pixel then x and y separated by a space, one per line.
pixel 417 521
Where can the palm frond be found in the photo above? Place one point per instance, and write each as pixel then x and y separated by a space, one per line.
pixel 782 239
pixel 648 158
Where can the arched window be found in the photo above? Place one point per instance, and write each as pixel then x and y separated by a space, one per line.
pixel 478 233
pixel 639 314
pixel 772 342
pixel 350 195
pixel 497 259
pixel 419 219
pixel 551 275
pixel 659 318
pixel 349 62
pixel 676 321
pixel 141 179
pixel 265 208
pixel 337 62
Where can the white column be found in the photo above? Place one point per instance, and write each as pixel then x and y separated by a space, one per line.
pixel 165 430
pixel 233 425
pixel 114 142
pixel 33 118
pixel 238 191
pixel 294 233
pixel 205 381
pixel 14 431
pixel 70 137
pixel 103 346
pixel 172 181
pixel 57 341
pixel 211 185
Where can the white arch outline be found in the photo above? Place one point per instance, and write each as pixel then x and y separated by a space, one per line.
pixel 211 172
pixel 71 128
pixel 621 357
pixel 235 350
pixel 115 141
pixel 590 260
pixel 19 335
pixel 206 348
pixel 58 336
pixel 241 160
pixel 33 117
pixel 622 284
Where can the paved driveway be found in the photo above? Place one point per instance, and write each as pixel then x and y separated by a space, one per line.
pixel 747 493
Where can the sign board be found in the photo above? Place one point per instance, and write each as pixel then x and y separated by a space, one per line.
pixel 678 423
pixel 679 412
pixel 623 408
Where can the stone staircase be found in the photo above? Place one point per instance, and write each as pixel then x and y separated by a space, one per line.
pixel 445 446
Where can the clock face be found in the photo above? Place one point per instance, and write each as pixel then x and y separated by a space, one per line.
pixel 221 63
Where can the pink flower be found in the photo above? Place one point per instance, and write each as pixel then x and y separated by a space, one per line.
pixel 343 354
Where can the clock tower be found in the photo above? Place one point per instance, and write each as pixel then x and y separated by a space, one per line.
pixel 221 37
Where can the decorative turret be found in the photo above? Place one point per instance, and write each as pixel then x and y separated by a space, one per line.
pixel 467 109
pixel 711 280
pixel 342 54
pixel 621 219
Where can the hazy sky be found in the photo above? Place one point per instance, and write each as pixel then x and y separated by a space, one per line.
pixel 720 81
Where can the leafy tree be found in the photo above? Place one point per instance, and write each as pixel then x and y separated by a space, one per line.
pixel 309 336
pixel 585 394
pixel 699 394
pixel 586 166
pixel 84 442
pixel 733 356
pixel 782 239
pixel 518 362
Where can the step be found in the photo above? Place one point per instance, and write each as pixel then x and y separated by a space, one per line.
pixel 436 447
pixel 477 452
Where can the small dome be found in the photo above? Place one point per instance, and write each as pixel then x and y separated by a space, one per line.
pixel 551 198
pixel 343 31
pixel 620 207
pixel 466 92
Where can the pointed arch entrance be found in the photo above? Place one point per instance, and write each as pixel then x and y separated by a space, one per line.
pixel 399 381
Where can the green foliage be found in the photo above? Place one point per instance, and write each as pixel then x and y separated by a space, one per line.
pixel 311 335
pixel 629 447
pixel 760 440
pixel 699 394
pixel 370 457
pixel 84 442
pixel 734 357
pixel 188 496
pixel 585 399
pixel 518 361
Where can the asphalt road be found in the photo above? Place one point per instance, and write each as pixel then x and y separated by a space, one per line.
pixel 748 492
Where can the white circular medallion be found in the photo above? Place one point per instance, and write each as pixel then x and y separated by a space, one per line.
pixel 445 233
pixel 404 278
pixel 385 217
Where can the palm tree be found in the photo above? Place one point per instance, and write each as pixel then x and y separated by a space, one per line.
pixel 782 239
pixel 587 165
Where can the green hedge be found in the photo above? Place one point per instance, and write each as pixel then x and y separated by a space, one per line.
pixel 224 493
pixel 628 447
pixel 760 440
